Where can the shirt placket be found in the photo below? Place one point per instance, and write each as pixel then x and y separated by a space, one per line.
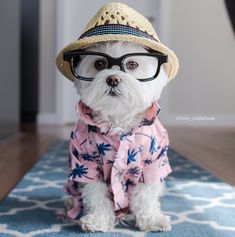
pixel 117 176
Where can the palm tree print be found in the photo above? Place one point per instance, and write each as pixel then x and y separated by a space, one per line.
pixel 75 152
pixel 79 171
pixel 123 136
pixel 131 156
pixel 72 135
pixel 164 162
pixel 75 185
pixel 127 184
pixel 92 128
pixel 163 152
pixel 152 148
pixel 119 174
pixel 158 111
pixel 89 157
pixel 83 142
pixel 134 171
pixel 100 172
pixel 147 122
pixel 102 148
pixel 110 162
pixel 147 161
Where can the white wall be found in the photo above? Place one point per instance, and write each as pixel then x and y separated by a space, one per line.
pixel 201 35
pixel 47 67
pixel 9 66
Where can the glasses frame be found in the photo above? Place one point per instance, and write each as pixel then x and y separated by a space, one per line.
pixel 69 57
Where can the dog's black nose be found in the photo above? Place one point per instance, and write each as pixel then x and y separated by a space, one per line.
pixel 113 80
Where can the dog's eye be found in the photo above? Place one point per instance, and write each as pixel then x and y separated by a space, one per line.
pixel 100 65
pixel 131 65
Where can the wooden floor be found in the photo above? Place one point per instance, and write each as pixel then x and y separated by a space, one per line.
pixel 212 149
pixel 19 152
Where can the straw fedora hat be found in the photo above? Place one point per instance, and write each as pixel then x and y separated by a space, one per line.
pixel 118 22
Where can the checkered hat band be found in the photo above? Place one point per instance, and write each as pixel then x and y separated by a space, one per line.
pixel 115 29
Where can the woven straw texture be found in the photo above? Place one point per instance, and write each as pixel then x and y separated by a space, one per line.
pixel 121 14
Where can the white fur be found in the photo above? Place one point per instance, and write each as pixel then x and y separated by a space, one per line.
pixel 145 206
pixel 124 111
pixel 98 208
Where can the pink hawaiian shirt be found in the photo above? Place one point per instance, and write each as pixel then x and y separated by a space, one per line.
pixel 139 156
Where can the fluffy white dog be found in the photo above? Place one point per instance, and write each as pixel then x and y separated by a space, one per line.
pixel 118 147
pixel 120 99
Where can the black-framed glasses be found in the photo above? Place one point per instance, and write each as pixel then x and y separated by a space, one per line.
pixel 142 66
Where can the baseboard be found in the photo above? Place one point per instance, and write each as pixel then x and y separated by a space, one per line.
pixel 198 120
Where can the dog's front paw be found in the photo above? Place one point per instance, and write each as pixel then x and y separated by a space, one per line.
pixel 159 223
pixel 96 222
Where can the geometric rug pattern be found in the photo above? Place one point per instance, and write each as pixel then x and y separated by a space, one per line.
pixel 199 204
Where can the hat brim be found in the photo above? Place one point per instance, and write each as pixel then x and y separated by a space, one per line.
pixel 171 67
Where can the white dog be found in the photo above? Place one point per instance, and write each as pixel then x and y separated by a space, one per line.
pixel 121 100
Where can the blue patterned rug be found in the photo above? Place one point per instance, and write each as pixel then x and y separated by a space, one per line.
pixel 199 204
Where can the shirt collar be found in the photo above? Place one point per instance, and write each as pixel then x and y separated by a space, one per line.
pixel 88 115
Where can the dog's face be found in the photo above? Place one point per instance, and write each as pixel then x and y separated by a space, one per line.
pixel 114 92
